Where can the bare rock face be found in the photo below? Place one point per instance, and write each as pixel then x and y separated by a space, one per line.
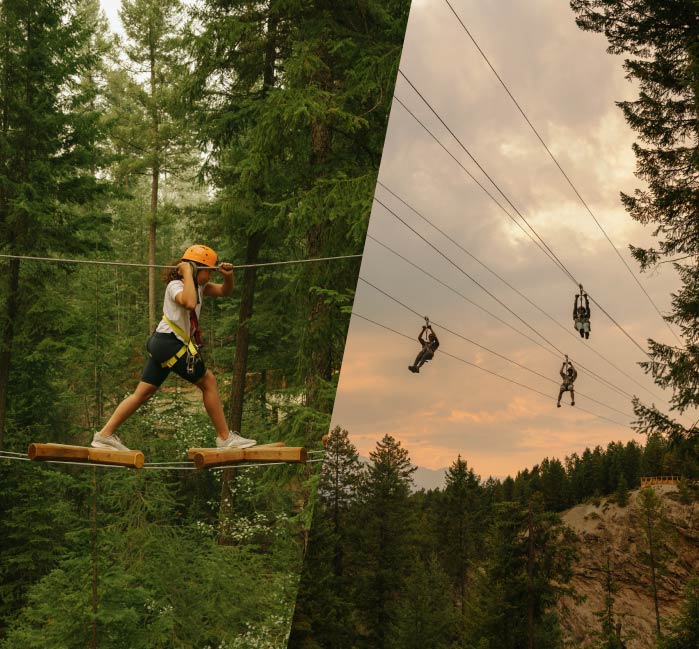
pixel 605 530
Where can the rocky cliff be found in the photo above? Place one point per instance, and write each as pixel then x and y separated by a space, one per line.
pixel 607 531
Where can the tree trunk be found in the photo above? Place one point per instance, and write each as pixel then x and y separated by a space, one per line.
pixel 653 580
pixel 93 536
pixel 6 342
pixel 530 580
pixel 240 365
pixel 155 179
pixel 247 295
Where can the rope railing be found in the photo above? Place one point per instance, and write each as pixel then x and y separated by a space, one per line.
pixel 98 262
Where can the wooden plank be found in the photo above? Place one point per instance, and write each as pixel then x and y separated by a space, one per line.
pixel 193 451
pixel 206 458
pixel 133 459
pixel 58 452
pixel 67 453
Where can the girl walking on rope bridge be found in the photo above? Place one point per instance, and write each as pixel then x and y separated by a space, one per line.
pixel 173 346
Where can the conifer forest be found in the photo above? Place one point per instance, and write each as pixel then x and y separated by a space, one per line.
pixel 256 129
pixel 562 553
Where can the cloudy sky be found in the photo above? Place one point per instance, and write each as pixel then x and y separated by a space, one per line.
pixel 567 85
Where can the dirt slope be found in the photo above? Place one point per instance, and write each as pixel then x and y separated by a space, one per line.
pixel 609 530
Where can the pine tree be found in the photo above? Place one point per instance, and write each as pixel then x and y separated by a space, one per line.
pixel 425 616
pixel 650 512
pixel 683 629
pixel 609 635
pixel 659 40
pixel 622 492
pixel 324 612
pixel 460 526
pixel 383 536
pixel 47 140
pixel 528 562
pixel 148 124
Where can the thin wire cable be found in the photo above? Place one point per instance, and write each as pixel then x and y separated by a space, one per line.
pixel 504 378
pixel 490 351
pixel 175 467
pixel 552 256
pixel 461 270
pixel 560 168
pixel 584 369
pixel 561 265
pixel 136 265
pixel 27 459
pixel 522 295
pixel 561 353
pixel 474 179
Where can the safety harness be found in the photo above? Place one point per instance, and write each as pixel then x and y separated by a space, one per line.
pixel 187 347
pixel 190 343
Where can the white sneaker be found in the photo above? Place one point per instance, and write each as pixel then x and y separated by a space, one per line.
pixel 108 441
pixel 234 441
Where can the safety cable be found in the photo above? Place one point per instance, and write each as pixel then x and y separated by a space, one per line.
pixel 487 175
pixel 560 168
pixel 584 369
pixel 461 270
pixel 490 351
pixel 551 255
pixel 522 295
pixel 561 353
pixel 137 265
pixel 154 466
pixel 479 367
pixel 475 180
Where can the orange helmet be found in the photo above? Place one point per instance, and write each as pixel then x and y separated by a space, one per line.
pixel 201 255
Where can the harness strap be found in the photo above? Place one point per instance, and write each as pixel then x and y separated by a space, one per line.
pixel 188 345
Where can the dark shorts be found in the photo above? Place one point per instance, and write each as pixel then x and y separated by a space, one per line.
pixel 161 347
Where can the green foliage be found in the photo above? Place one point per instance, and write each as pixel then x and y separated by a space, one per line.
pixel 683 630
pixel 426 619
pixel 659 43
pixel 622 492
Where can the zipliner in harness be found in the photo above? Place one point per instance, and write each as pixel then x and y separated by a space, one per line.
pixel 581 313
pixel 429 347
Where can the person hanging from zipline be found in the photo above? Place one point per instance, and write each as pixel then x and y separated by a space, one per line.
pixel 174 347
pixel 581 313
pixel 568 374
pixel 429 347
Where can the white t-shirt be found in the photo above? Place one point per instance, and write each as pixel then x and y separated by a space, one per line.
pixel 176 312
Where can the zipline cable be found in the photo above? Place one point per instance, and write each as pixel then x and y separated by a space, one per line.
pixel 490 351
pixel 475 180
pixel 461 270
pixel 137 265
pixel 504 322
pixel 504 378
pixel 551 255
pixel 487 175
pixel 560 352
pixel 522 295
pixel 560 168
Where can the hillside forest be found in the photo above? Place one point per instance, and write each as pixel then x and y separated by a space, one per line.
pixel 496 563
